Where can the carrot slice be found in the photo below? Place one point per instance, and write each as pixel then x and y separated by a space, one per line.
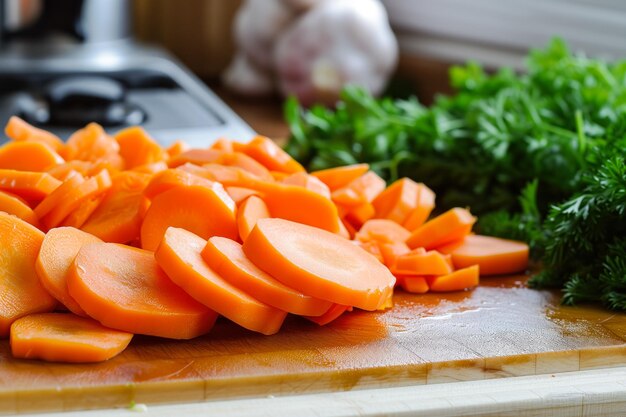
pixel 196 156
pixel 78 195
pixel 452 225
pixel 372 248
pixel 59 337
pixel 223 144
pixel 243 161
pixel 78 217
pixel 227 176
pixel 306 258
pixel 92 143
pixel 177 148
pixel 21 293
pixel 249 213
pixel 423 207
pixel 226 258
pixel 12 204
pixel 28 185
pixel 60 194
pixel 86 168
pixel 333 313
pixel 119 215
pixel 204 210
pixel 397 201
pixel 137 148
pixel 179 254
pixel 494 256
pixel 358 215
pixel 414 284
pixel 240 194
pixel 268 153
pixel 124 289
pixel 391 251
pixel 153 168
pixel 19 130
pixel 58 250
pixel 302 179
pixel 338 177
pixel 171 178
pixel 279 176
pixel 28 156
pixel 457 281
pixel 382 230
pixel 422 263
pixel 362 190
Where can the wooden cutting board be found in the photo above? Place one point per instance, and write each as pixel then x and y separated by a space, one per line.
pixel 498 330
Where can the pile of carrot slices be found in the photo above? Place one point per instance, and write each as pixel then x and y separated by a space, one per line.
pixel 110 236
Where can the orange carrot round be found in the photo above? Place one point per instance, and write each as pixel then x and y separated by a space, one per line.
pixel 179 254
pixel 59 337
pixel 171 178
pixel 397 201
pixel 414 284
pixel 205 211
pixel 250 211
pixel 452 225
pixel 423 207
pixel 494 256
pixel 333 313
pixel 12 204
pixel 268 153
pixel 382 230
pixel 18 130
pixel 60 194
pixel 28 185
pixel 226 258
pixel 422 263
pixel 58 250
pixel 28 156
pixel 302 179
pixel 318 263
pixel 240 194
pixel 339 177
pixel 459 280
pixel 137 148
pixel 21 293
pixel 123 288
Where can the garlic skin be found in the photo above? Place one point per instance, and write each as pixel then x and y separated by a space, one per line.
pixel 312 48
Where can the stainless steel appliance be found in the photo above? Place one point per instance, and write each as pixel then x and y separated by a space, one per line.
pixel 64 63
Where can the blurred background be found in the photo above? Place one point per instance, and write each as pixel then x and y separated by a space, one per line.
pixel 255 52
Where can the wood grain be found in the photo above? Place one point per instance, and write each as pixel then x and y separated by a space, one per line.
pixel 501 329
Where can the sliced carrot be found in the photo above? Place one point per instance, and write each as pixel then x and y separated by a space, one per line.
pixel 78 195
pixel 279 176
pixel 227 176
pixel 59 337
pixel 60 194
pixel 21 293
pixel 338 177
pixel 494 256
pixel 249 213
pixel 424 206
pixel 137 148
pixel 268 153
pixel 85 168
pixel 382 230
pixel 153 168
pixel 204 210
pixel 118 217
pixel 124 289
pixel 92 143
pixel 240 194
pixel 387 304
pixel 171 178
pixel 223 144
pixel 452 225
pixel 226 258
pixel 177 148
pixel 372 248
pixel 14 205
pixel 457 281
pixel 397 201
pixel 243 161
pixel 333 313
pixel 78 217
pixel 58 250
pixel 422 263
pixel 305 258
pixel 302 179
pixel 390 252
pixel 414 284
pixel 18 130
pixel 196 156
pixel 362 190
pixel 28 185
pixel 179 254
pixel 358 215
pixel 28 156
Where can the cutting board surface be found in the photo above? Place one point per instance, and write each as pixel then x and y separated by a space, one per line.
pixel 500 329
